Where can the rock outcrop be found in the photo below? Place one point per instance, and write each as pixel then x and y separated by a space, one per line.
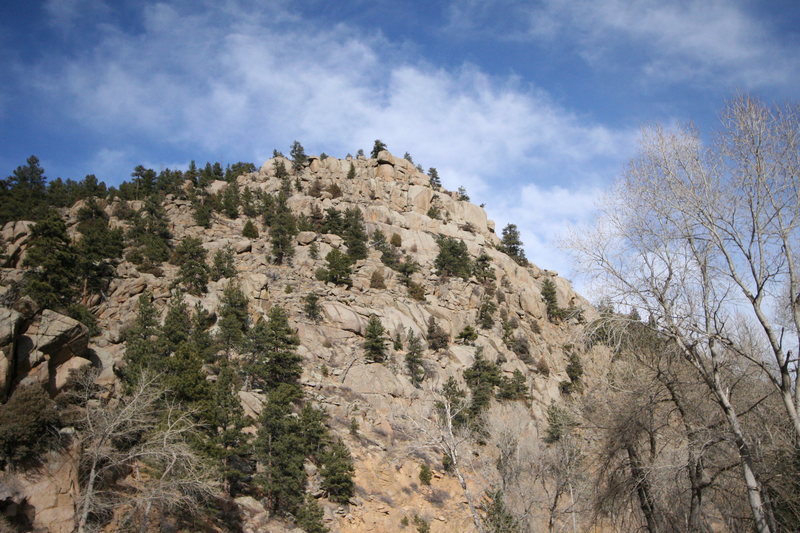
pixel 380 399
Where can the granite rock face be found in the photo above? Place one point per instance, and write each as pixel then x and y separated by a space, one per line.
pixel 379 399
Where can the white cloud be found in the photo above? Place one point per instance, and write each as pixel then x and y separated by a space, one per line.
pixel 232 81
pixel 699 41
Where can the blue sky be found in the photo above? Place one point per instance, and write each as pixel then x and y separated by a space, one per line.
pixel 534 107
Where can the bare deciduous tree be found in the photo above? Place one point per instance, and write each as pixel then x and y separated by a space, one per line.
pixel 701 239
pixel 141 433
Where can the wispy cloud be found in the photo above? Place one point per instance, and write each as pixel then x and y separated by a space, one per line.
pixel 700 41
pixel 231 80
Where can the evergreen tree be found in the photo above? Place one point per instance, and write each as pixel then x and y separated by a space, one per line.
pixel 248 202
pixel 437 338
pixel 309 517
pixel 414 365
pixel 453 258
pixel 282 231
pixel 202 212
pixel 233 317
pixel 298 154
pixel 23 194
pixel 53 263
pixel 190 256
pixel 311 306
pixel 192 174
pixel 337 472
pixel 225 420
pixel 351 173
pixel 377 148
pixel 462 194
pixel 281 450
pixel 98 249
pixel 512 244
pixel 497 518
pixel 514 388
pixel 274 360
pixel 177 326
pixel 141 352
pixel 223 264
pixel 375 341
pixel 483 269
pixel 338 270
pixel 482 377
pixel 436 182
pixel 149 235
pixel 554 312
pixel 249 230
pixel 334 223
pixel 486 314
pixel 355 234
pixel 230 200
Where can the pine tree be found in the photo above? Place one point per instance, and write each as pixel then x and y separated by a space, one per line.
pixel 53 264
pixel 377 148
pixel 337 472
pixel 351 173
pixel 414 365
pixel 98 249
pixel 375 341
pixel 177 323
pixel 298 154
pixel 338 270
pixel 483 269
pixel 282 231
pixel 141 352
pixel 482 377
pixel 23 194
pixel 223 264
pixel 437 338
pixel 355 234
pixel 250 231
pixel 554 312
pixel 513 388
pixel 230 200
pixel 453 258
pixel 311 306
pixel 190 256
pixel 436 182
pixel 512 244
pixel 309 517
pixel 233 317
pixel 273 359
pixel 281 450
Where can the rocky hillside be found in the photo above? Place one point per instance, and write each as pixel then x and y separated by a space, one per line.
pixel 386 416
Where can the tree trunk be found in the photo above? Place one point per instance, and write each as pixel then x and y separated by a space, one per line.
pixel 643 490
pixel 87 498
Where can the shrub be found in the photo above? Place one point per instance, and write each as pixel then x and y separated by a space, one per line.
pixel 334 190
pixel 437 337
pixel 559 423
pixel 468 335
pixel 425 474
pixel 377 281
pixel 542 367
pixel 27 425
pixel 315 190
pixel 416 291
pixel 396 240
